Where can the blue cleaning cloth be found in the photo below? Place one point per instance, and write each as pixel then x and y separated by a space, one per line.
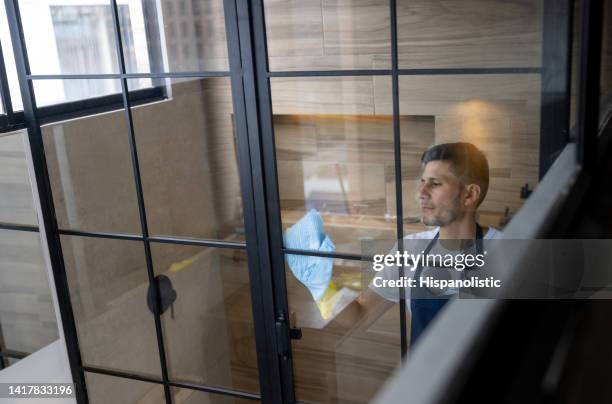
pixel 314 272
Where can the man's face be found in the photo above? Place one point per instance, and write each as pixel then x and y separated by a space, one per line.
pixel 439 194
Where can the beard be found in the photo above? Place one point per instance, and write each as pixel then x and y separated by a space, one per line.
pixel 446 215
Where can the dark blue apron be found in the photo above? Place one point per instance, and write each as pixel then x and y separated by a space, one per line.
pixel 424 305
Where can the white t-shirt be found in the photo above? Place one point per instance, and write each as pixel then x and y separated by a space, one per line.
pixel 391 272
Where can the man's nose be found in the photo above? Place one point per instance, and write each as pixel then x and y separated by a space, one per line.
pixel 422 192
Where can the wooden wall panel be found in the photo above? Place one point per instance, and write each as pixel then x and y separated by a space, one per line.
pixel 343 34
pixel 469 33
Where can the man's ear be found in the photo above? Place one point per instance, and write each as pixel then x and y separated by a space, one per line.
pixel 472 194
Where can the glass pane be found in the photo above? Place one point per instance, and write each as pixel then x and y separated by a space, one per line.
pixel 328 35
pixel 16 200
pixel 102 389
pixel 499 114
pixel 108 287
pixel 187 396
pixel 27 317
pixel 187 153
pixel 69 38
pixel 350 338
pixel 181 36
pixel 52 92
pixel 90 170
pixel 469 33
pixel 334 154
pixel 208 330
pixel 9 60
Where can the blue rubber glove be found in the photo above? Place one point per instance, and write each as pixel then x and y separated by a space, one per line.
pixel 314 272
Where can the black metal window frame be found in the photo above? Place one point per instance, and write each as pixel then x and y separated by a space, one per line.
pixel 13 120
pixel 250 78
pixel 31 119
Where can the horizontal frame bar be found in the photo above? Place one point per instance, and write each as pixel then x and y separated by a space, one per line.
pixel 19 227
pixel 6 127
pixel 312 253
pixel 330 73
pixel 108 76
pixel 470 70
pixel 96 105
pixel 185 385
pixel 156 239
pixel 216 390
pixel 82 108
pixel 407 72
pixel 9 353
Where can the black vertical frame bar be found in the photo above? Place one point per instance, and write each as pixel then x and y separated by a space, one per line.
pixel 397 153
pixel 588 86
pixel 43 186
pixel 246 120
pixel 153 285
pixel 3 361
pixel 260 95
pixel 555 80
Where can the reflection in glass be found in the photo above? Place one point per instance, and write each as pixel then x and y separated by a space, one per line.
pixel 334 153
pixel 52 92
pixel 80 39
pixel 27 317
pixel 187 154
pixel 90 170
pixel 348 348
pixel 469 33
pixel 181 36
pixel 9 61
pixel 16 202
pixel 103 389
pixel 328 35
pixel 115 328
pixel 500 114
pixel 69 39
pixel 208 331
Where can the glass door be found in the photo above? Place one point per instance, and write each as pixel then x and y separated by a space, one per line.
pixel 138 128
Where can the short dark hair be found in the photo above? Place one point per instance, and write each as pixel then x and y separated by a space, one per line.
pixel 468 163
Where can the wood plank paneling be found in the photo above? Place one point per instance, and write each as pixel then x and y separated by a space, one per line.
pixel 351 34
pixel 469 33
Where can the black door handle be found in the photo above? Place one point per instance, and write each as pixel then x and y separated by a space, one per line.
pixel 167 295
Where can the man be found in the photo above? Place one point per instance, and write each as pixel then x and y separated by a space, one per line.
pixel 453 184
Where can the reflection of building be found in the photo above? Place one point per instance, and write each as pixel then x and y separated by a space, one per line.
pixel 79 38
pixel 85 38
pixel 195 35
